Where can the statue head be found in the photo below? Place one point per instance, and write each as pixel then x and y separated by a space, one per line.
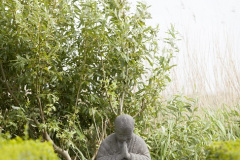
pixel 124 127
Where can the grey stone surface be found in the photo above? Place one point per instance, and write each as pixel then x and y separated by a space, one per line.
pixel 123 144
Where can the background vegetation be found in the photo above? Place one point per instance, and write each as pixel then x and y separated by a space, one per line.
pixel 68 68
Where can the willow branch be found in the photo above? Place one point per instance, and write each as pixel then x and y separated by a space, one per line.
pixel 76 103
pixel 142 109
pixel 124 90
pixel 57 149
pixel 41 109
pixel 78 92
pixel 121 102
pixel 4 80
pixel 102 137
pixel 110 102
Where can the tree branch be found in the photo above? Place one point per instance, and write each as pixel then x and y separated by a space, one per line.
pixel 76 103
pixel 78 92
pixel 102 137
pixel 110 102
pixel 121 102
pixel 4 80
pixel 124 90
pixel 41 110
pixel 142 109
pixel 57 149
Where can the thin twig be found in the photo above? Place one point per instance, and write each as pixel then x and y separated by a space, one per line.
pixel 121 102
pixel 142 109
pixel 76 103
pixel 93 114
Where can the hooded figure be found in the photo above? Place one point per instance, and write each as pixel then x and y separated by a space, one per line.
pixel 123 144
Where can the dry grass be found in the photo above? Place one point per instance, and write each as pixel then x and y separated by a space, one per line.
pixel 208 67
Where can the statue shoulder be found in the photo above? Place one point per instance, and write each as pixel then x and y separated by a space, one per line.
pixel 109 141
pixel 110 138
pixel 139 145
pixel 108 146
pixel 139 139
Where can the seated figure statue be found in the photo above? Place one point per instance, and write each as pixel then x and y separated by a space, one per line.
pixel 123 144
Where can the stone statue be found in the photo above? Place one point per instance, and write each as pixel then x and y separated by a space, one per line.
pixel 123 144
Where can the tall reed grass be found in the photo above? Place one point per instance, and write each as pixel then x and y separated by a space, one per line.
pixel 208 66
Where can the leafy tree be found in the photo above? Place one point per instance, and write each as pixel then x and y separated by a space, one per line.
pixel 68 68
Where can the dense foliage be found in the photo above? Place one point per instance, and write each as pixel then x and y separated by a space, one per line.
pixel 19 149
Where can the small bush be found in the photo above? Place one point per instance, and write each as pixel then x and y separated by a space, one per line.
pixel 18 149
pixel 224 150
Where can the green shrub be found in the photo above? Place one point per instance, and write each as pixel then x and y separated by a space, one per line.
pixel 224 150
pixel 18 149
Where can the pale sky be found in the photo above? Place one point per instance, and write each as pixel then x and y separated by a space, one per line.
pixel 199 11
pixel 203 14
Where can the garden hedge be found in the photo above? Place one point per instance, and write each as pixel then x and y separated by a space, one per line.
pixel 224 150
pixel 18 149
